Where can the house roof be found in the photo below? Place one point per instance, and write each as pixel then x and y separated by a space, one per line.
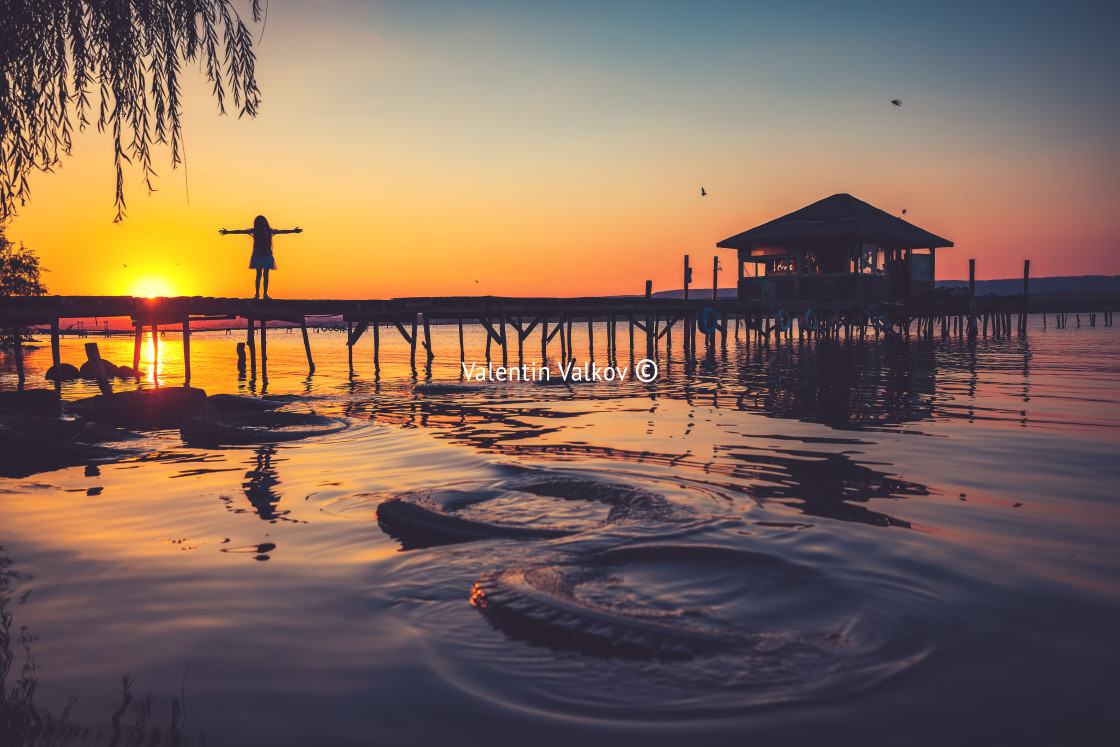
pixel 838 216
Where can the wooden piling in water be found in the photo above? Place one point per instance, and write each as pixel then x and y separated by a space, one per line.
pixel 504 340
pixel 590 338
pixel 412 344
pixel 349 345
pixel 138 335
pixel 972 298
pixel 155 349
pixel 376 348
pixel 428 339
pixel 56 352
pixel 251 343
pixel 306 344
pixel 186 351
pixel 94 356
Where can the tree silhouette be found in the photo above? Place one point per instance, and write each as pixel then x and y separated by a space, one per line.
pixel 19 270
pixel 56 55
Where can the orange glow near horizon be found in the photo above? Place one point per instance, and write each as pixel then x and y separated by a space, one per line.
pixel 152 287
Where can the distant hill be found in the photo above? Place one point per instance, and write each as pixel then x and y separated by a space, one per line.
pixel 1069 284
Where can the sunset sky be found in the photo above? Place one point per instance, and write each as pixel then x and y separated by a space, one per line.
pixel 436 148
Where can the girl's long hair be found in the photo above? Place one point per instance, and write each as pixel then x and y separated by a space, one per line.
pixel 262 236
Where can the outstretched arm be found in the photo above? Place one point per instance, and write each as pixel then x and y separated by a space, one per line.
pixel 224 232
pixel 297 229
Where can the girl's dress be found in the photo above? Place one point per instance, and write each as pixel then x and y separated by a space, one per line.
pixel 262 258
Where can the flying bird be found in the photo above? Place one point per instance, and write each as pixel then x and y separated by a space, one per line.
pixel 904 211
pixel 703 193
pixel 896 102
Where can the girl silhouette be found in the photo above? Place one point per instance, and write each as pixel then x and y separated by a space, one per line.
pixel 262 260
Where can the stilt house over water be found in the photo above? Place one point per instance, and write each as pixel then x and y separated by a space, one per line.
pixel 838 249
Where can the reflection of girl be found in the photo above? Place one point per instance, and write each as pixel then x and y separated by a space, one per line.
pixel 262 260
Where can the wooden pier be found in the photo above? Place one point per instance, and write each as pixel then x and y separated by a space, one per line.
pixel 510 322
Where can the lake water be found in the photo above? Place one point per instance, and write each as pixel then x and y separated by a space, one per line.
pixel 867 541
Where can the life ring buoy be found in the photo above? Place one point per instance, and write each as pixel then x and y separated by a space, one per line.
pixel 707 321
pixel 782 320
pixel 809 321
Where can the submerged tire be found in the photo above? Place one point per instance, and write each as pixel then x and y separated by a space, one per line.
pixel 229 428
pixel 538 605
pixel 416 525
pixel 423 518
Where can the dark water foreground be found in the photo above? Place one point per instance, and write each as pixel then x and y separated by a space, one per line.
pixel 850 543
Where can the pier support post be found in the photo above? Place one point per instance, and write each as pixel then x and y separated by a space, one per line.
pixel 241 357
pixel 186 351
pixel 544 338
pixel 519 325
pixel 505 341
pixel 412 356
pixel 306 344
pixel 264 350
pixel 563 339
pixel 138 335
pixel 1023 303
pixel 349 344
pixel 56 352
pixel 155 350
pixel 376 348
pixel 590 338
pixel 462 346
pixel 428 339
pixel 252 345
pixel 972 298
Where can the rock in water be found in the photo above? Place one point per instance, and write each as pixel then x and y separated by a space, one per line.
pixel 88 371
pixel 63 372
pixel 222 428
pixel 162 407
pixel 23 454
pixel 239 403
pixel 43 402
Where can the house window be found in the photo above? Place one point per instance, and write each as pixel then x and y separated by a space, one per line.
pixel 809 266
pixel 782 266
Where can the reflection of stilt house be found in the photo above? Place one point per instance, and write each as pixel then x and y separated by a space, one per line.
pixel 838 249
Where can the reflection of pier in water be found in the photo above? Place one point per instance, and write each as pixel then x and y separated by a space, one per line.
pixel 817 483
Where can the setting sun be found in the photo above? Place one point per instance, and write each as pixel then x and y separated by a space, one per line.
pixel 151 287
